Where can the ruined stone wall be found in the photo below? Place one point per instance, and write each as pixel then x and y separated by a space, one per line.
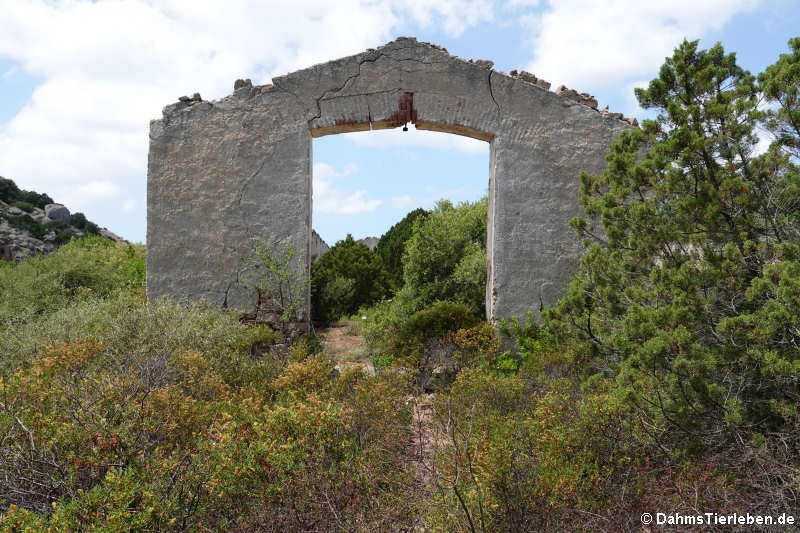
pixel 223 173
pixel 318 246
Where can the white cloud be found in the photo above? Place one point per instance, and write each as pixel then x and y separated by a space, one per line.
pixel 631 104
pixel 432 195
pixel 108 67
pixel 401 202
pixel 9 73
pixel 414 138
pixel 587 44
pixel 330 199
pixel 86 193
pixel 129 206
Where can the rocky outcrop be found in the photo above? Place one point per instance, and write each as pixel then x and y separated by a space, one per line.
pixel 31 231
pixel 371 242
pixel 103 232
pixel 57 212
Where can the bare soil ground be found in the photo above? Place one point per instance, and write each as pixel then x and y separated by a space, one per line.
pixel 345 347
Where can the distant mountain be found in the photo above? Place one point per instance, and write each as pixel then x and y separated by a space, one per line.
pixel 371 242
pixel 32 223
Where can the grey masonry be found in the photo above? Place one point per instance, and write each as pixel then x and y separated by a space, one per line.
pixel 222 174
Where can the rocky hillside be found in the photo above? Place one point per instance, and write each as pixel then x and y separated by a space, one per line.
pixel 371 242
pixel 32 223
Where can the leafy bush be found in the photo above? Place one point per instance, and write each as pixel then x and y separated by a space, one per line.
pixel 26 223
pixel 346 277
pixel 25 206
pixel 10 193
pixel 433 323
pixel 280 281
pixel 445 257
pixel 136 428
pixel 119 414
pixel 385 318
pixel 82 269
pixel 444 260
pixel 79 221
pixel 392 245
pixel 424 343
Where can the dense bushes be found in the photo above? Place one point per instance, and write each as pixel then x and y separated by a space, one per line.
pixel 84 269
pixel 392 245
pixel 346 277
pixel 79 221
pixel 445 257
pixel 444 266
pixel 175 438
pixel 118 414
pixel 10 193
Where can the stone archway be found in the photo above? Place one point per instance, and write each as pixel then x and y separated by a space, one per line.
pixel 220 172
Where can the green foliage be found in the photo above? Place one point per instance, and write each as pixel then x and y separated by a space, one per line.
pixel 445 257
pixel 84 269
pixel 392 245
pixel 434 323
pixel 428 343
pixel 25 206
pixel 280 280
pixel 26 223
pixel 385 318
pixel 513 460
pixel 688 294
pixel 10 193
pixel 779 83
pixel 444 260
pixel 79 221
pixel 119 414
pixel 175 438
pixel 346 277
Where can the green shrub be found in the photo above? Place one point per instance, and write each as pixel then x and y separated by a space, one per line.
pixel 25 206
pixel 392 245
pixel 445 258
pixel 689 298
pixel 82 269
pixel 435 322
pixel 425 344
pixel 346 277
pixel 157 417
pixel 10 193
pixel 26 223
pixel 384 320
pixel 79 221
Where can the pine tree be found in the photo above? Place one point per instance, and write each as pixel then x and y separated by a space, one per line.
pixel 689 292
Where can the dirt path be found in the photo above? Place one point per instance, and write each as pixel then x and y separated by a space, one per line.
pixel 345 347
pixel 347 350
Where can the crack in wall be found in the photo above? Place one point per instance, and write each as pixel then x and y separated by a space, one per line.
pixel 247 182
pixel 491 93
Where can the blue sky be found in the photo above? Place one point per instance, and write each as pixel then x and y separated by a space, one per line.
pixel 80 80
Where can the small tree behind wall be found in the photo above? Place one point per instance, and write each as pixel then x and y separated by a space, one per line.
pixel 281 283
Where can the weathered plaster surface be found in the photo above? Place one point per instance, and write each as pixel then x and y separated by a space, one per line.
pixel 222 173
